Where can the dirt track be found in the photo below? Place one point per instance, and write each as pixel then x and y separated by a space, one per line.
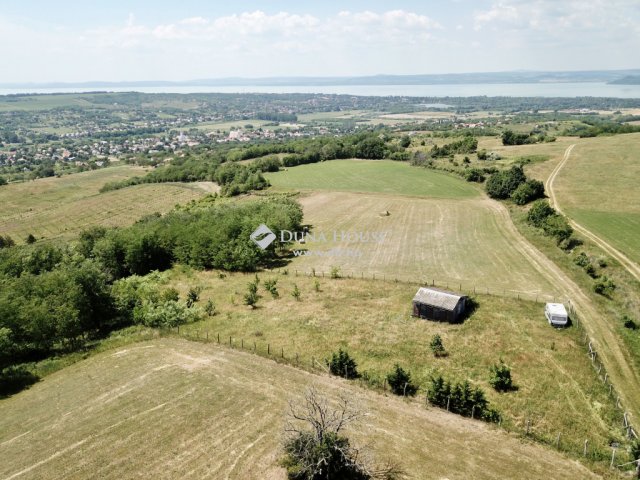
pixel 632 267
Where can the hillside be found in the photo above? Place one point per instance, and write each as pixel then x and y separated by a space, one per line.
pixel 175 409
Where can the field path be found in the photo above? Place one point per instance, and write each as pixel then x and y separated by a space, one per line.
pixel 632 267
pixel 606 341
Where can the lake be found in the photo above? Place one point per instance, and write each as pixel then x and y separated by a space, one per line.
pixel 457 90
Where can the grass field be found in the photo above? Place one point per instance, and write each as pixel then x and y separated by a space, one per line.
pixel 598 187
pixel 61 207
pixel 558 389
pixel 170 408
pixel 447 240
pixel 378 176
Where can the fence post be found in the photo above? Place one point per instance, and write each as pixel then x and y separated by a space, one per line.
pixel 218 338
pixel 230 341
pixel 448 400
pixel 178 329
pixel 207 334
pixel 282 352
pixel 558 441
pixel 268 349
pixel 254 346
pixel 296 359
pixel 586 444
pixel 242 343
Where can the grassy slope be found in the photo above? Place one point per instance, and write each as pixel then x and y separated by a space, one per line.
pixel 439 227
pixel 558 390
pixel 451 241
pixel 61 207
pixel 379 176
pixel 175 409
pixel 598 187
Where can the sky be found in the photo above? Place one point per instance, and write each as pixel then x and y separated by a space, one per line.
pixel 72 41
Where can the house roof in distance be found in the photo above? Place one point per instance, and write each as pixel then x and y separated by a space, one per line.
pixel 437 298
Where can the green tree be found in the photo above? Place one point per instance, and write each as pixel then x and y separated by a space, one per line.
pixel 296 292
pixel 500 378
pixel 437 347
pixel 342 365
pixel 400 382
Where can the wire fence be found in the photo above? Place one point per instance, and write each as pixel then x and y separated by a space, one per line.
pixel 452 285
pixel 562 441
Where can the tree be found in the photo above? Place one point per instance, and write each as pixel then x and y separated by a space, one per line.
pixel 539 212
pixel 193 295
pixel 400 382
pixel 30 239
pixel 316 447
pixel 527 192
pixel 405 141
pixel 502 184
pixel 296 292
pixel 342 365
pixel 251 297
pixel 210 308
pixel 437 347
pixel 3 181
pixel 500 378
pixel 6 241
pixel 271 287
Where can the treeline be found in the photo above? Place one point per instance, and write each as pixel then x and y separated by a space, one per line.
pixel 277 117
pixel 594 128
pixel 468 144
pixel 233 178
pixel 509 137
pixel 461 398
pixel 57 298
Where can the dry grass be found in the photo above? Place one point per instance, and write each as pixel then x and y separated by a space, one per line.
pixel 598 187
pixel 62 207
pixel 558 389
pixel 175 409
pixel 450 241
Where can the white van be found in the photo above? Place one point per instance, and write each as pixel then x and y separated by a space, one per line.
pixel 556 314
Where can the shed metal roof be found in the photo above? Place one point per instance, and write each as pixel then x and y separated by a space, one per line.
pixel 437 298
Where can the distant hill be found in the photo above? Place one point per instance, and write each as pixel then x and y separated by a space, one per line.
pixel 628 80
pixel 594 76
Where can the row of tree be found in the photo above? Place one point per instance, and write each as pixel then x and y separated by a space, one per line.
pixel 56 298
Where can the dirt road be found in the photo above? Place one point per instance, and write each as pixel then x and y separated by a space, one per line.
pixel 632 267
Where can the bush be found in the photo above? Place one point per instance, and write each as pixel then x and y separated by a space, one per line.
pixel 605 286
pixel 166 314
pixel 30 239
pixel 539 212
pixel 400 382
pixel 271 287
pixel 342 365
pixel 460 398
pixel 16 378
pixel 6 241
pixel 500 378
pixel 527 192
pixel 474 175
pixel 628 322
pixel 502 184
pixel 193 295
pixel 335 272
pixel 437 347
pixel 295 293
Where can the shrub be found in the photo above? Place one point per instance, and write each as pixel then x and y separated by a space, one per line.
pixel 502 184
pixel 15 378
pixel 474 175
pixel 193 295
pixel 210 308
pixel 30 239
pixel 527 192
pixel 500 378
pixel 628 322
pixel 170 294
pixel 437 346
pixel 460 398
pixel 335 272
pixel 605 286
pixel 166 314
pixel 270 286
pixel 342 365
pixel 400 382
pixel 296 292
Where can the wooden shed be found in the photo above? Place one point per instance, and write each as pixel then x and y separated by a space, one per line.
pixel 440 305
